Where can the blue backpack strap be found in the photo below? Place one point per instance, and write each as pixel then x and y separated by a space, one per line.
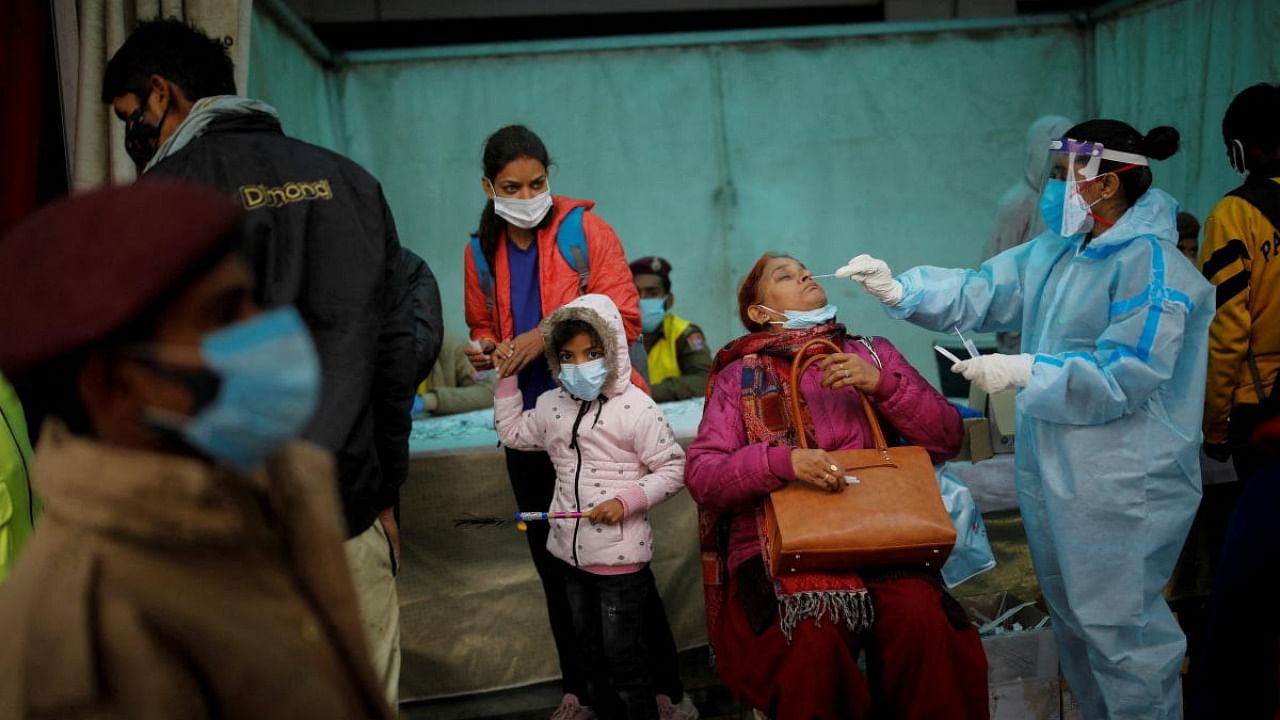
pixel 482 270
pixel 572 241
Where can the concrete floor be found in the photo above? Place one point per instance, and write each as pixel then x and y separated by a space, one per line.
pixel 536 702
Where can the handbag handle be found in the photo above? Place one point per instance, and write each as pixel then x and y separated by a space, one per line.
pixel 798 366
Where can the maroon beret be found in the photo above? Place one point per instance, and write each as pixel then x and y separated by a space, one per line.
pixel 80 268
pixel 651 265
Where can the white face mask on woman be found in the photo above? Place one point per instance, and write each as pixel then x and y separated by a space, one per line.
pixel 522 213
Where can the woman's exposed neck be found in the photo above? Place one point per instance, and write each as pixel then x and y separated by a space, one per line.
pixel 1109 215
pixel 522 237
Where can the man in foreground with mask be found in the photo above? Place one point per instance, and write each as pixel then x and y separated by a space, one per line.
pixel 678 358
pixel 319 236
pixel 189 561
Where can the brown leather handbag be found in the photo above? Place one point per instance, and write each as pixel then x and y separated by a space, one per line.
pixel 891 516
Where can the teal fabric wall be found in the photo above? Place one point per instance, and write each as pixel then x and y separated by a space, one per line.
pixel 1180 63
pixel 897 146
pixel 710 153
pixel 283 74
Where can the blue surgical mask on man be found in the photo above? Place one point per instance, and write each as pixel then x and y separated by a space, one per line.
pixel 652 311
pixel 267 378
pixel 585 380
pixel 803 319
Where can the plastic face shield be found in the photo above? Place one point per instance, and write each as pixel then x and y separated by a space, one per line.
pixel 1082 162
pixel 1086 157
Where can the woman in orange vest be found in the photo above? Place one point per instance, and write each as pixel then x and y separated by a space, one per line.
pixel 518 272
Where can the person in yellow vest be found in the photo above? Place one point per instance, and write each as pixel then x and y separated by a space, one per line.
pixel 1241 238
pixel 18 505
pixel 679 361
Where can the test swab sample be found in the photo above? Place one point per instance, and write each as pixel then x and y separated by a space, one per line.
pixel 969 345
pixel 946 354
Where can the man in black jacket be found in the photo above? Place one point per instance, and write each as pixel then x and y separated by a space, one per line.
pixel 320 237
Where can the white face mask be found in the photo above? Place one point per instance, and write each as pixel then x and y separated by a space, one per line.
pixel 1236 150
pixel 522 213
pixel 1075 213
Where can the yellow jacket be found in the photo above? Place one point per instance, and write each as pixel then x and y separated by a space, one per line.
pixel 18 505
pixel 679 362
pixel 1238 256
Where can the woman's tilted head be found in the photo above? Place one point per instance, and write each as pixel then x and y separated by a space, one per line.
pixel 777 283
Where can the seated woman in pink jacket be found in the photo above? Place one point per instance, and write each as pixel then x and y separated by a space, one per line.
pixel 615 457
pixel 790 647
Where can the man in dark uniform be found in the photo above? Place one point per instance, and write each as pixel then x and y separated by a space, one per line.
pixel 319 235
pixel 679 360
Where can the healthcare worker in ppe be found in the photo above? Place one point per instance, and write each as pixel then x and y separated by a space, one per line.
pixel 1018 213
pixel 1114 325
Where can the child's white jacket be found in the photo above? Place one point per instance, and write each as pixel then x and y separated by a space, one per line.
pixel 625 448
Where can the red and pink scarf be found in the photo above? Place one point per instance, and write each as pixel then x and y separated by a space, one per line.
pixel 766 412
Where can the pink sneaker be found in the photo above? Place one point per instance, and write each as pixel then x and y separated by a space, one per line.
pixel 571 709
pixel 669 711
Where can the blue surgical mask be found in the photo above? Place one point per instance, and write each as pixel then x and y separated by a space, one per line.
pixel 586 380
pixel 803 319
pixel 1065 213
pixel 1053 203
pixel 267 378
pixel 652 311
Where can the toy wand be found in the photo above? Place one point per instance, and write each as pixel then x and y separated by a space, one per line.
pixel 519 518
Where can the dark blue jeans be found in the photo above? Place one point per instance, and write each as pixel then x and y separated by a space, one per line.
pixel 609 624
pixel 533 480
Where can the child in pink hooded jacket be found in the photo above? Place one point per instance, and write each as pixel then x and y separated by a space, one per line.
pixel 615 457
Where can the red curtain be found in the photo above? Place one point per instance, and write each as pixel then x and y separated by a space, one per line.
pixel 23 35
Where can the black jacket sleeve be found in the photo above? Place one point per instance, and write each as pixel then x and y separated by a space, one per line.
pixel 428 320
pixel 396 368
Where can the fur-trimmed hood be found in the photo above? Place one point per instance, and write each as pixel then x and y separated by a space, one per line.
pixel 602 315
